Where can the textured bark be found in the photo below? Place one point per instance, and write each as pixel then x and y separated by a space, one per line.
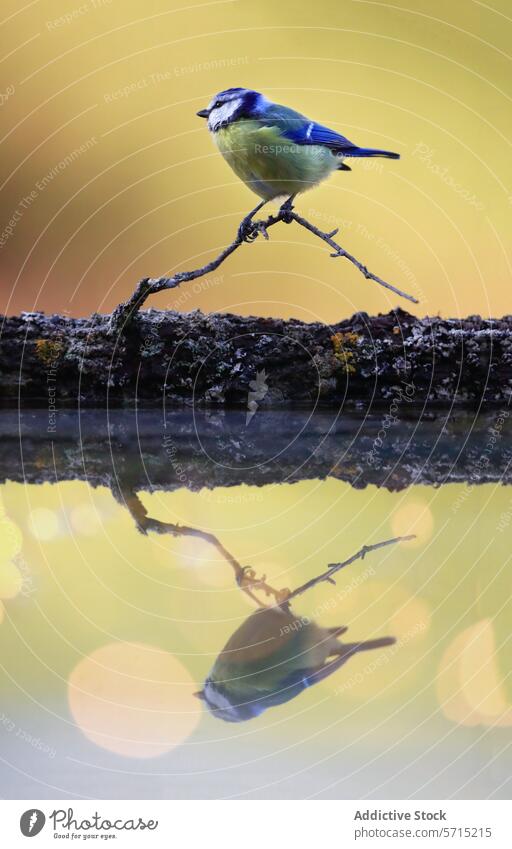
pixel 210 360
pixel 130 451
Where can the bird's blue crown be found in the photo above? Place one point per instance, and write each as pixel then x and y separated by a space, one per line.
pixel 231 105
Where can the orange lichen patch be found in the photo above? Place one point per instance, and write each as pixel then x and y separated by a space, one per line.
pixel 343 345
pixel 469 685
pixel 48 351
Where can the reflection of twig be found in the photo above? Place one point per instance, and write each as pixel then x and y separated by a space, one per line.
pixel 245 576
pixel 249 230
pixel 335 567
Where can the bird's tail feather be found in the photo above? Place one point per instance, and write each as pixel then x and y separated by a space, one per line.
pixel 370 151
pixel 341 654
pixel 366 645
pixel 340 629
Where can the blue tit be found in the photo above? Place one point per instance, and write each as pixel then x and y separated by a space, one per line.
pixel 275 150
pixel 271 659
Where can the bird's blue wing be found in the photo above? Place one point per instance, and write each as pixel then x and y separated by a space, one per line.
pixel 300 130
pixel 295 682
pixel 286 689
pixel 317 134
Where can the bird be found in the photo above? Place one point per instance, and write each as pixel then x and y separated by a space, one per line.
pixel 276 151
pixel 272 658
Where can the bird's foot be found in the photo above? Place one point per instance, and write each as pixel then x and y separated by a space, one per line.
pixel 246 577
pixel 286 210
pixel 244 228
pixel 248 580
pixel 249 230
pixel 257 228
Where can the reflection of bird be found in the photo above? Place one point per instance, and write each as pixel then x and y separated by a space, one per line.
pixel 271 659
pixel 273 149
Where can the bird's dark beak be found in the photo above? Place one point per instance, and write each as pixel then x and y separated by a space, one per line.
pixel 200 695
pixel 203 113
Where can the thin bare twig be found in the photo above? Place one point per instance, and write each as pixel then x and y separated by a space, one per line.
pixel 245 576
pixel 339 251
pixel 248 231
pixel 335 567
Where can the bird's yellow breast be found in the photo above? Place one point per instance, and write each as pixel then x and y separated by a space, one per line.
pixel 270 164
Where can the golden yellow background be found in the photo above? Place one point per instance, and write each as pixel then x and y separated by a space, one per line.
pixel 112 93
pixel 149 195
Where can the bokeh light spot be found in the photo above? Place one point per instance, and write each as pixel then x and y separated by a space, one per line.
pixel 411 619
pixel 44 524
pixel 133 699
pixel 11 538
pixel 469 685
pixel 413 517
pixel 11 579
pixel 203 558
pixel 85 519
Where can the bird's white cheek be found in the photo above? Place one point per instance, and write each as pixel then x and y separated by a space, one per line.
pixel 223 114
pixel 216 699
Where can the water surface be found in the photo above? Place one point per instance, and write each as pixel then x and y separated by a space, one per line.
pixel 121 537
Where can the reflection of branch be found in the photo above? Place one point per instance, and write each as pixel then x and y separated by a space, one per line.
pixel 335 567
pixel 245 576
pixel 248 231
